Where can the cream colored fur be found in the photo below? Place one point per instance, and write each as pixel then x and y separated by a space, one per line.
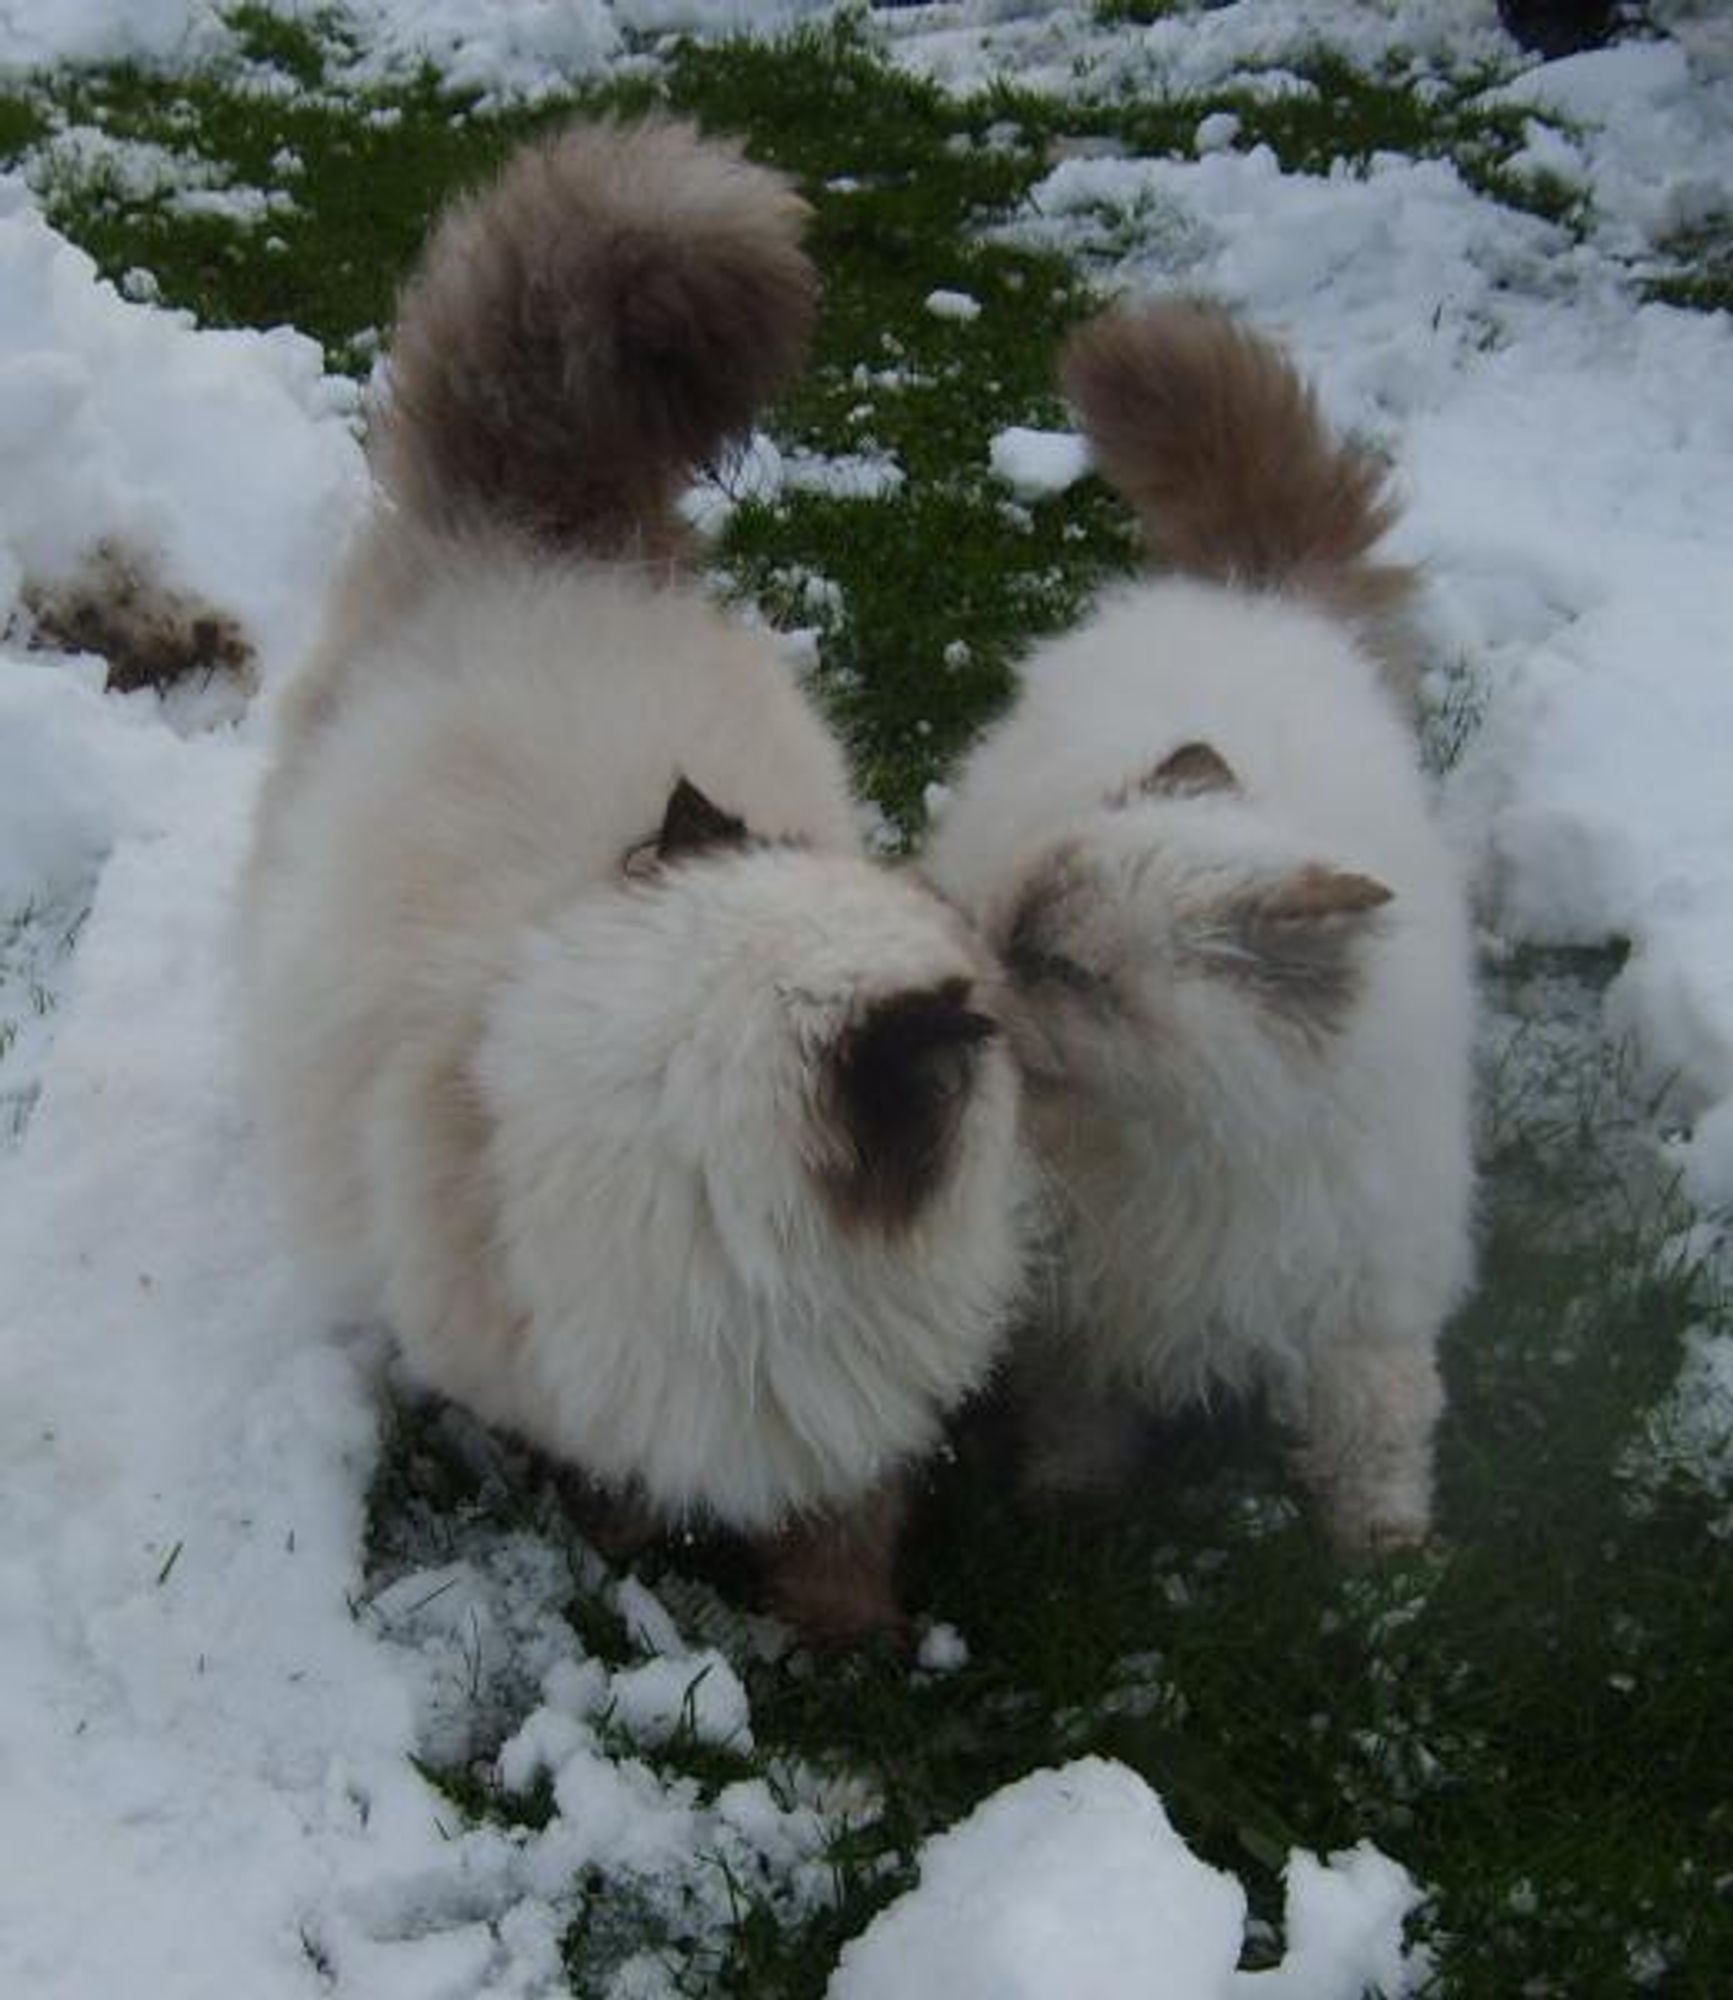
pixel 566 1109
pixel 1249 1065
pixel 560 1127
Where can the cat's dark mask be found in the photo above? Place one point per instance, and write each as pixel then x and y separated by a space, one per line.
pixel 898 1085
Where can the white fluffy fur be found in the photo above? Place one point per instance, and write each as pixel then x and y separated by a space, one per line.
pixel 563 1127
pixel 1249 1194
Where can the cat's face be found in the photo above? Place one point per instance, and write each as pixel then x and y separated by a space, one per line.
pixel 756 1130
pixel 1175 947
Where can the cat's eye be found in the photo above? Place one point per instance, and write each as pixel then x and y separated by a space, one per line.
pixel 1030 965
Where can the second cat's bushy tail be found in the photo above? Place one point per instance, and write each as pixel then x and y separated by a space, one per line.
pixel 1214 437
pixel 587 330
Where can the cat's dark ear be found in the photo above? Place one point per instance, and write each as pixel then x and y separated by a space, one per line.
pixel 898 1085
pixel 693 823
pixel 1186 773
pixel 1296 943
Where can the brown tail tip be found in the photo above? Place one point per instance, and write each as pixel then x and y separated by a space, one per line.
pixel 606 316
pixel 1217 441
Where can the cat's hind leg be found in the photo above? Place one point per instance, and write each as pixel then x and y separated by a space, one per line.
pixel 1372 1404
pixel 832 1574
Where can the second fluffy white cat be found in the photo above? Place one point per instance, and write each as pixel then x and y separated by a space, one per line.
pixel 1205 848
pixel 663 1127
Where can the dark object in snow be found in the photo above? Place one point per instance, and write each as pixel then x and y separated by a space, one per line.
pixel 116 605
pixel 1558 27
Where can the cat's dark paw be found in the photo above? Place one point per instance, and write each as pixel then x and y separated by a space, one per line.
pixel 832 1576
pixel 837 1622
pixel 617 1524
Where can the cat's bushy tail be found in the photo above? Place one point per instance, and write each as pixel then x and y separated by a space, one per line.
pixel 1216 440
pixel 597 322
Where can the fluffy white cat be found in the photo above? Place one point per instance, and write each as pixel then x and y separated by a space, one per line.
pixel 664 1127
pixel 1204 846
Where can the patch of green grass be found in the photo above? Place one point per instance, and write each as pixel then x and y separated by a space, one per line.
pixel 23 122
pixel 362 178
pixel 300 47
pixel 1698 271
pixel 621 1921
pixel 1343 115
pixel 942 590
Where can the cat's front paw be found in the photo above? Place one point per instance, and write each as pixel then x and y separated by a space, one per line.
pixel 1363 1526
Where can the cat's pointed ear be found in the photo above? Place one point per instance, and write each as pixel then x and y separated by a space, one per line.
pixel 693 823
pixel 1188 772
pixel 899 1084
pixel 1296 943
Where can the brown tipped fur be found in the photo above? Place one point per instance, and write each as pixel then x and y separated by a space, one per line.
pixel 582 334
pixel 1217 441
pixel 899 1083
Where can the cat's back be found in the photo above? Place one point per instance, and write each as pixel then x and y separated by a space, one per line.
pixel 1300 714
pixel 492 746
pixel 512 731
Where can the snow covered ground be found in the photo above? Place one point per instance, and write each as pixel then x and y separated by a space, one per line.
pixel 205 1737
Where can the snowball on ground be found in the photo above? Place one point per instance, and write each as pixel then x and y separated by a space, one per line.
pixel 1036 463
pixel 942 1648
pixel 953 305
pixel 1060 1883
